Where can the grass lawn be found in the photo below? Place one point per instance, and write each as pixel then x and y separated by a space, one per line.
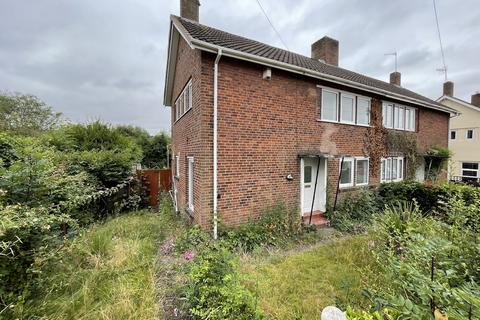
pixel 298 285
pixel 106 273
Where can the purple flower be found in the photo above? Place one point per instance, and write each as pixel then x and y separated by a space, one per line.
pixel 167 246
pixel 188 255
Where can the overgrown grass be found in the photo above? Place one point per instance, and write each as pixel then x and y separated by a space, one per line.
pixel 300 285
pixel 106 273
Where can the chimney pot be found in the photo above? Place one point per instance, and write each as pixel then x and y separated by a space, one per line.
pixel 326 49
pixel 448 89
pixel 189 9
pixel 476 99
pixel 396 78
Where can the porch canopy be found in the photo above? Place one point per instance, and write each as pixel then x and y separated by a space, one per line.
pixel 318 154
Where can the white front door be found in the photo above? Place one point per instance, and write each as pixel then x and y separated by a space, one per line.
pixel 309 176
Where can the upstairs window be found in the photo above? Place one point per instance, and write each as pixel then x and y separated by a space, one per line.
pixel 453 135
pixel 184 101
pixel 329 105
pixel 363 111
pixel 470 133
pixel 345 107
pixel 398 117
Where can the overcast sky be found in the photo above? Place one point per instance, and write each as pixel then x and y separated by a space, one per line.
pixel 105 59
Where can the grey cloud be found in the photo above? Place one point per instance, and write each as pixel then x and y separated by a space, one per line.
pixel 106 59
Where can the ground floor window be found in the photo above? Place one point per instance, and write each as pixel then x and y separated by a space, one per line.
pixel 190 183
pixel 470 170
pixel 354 172
pixel 392 169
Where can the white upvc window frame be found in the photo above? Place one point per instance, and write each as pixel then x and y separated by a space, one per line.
pixel 473 134
pixel 391 113
pixel 190 180
pixel 357 159
pixel 322 113
pixel 352 173
pixel 455 135
pixel 369 109
pixel 354 107
pixel 177 165
pixel 388 166
pixel 471 170
pixel 339 94
pixel 184 101
pixel 413 113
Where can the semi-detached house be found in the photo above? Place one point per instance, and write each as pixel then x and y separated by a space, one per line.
pixel 254 125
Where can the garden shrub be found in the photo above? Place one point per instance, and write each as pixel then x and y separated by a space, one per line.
pixel 213 290
pixel 354 212
pixel 277 225
pixel 191 239
pixel 432 265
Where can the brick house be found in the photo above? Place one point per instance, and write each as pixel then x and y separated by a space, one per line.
pixel 253 125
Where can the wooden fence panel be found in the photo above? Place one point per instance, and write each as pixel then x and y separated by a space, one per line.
pixel 156 181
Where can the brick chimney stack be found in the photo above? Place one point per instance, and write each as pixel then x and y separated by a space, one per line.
pixel 448 89
pixel 189 9
pixel 476 99
pixel 326 49
pixel 396 78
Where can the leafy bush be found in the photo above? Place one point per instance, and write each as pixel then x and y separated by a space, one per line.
pixel 193 238
pixel 213 289
pixel 354 212
pixel 26 234
pixel 433 265
pixel 275 226
pixel 103 152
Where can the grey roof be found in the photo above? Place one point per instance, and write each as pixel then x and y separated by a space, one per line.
pixel 245 45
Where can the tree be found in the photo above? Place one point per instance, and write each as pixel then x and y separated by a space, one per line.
pixel 155 156
pixel 26 114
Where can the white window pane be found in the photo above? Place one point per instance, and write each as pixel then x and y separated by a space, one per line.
pixel 400 168
pixel 329 106
pixel 363 112
pixel 394 168
pixel 382 170
pixel 347 109
pixel 346 174
pixel 389 116
pixel 361 172
pixel 401 118
pixel 190 95
pixel 388 173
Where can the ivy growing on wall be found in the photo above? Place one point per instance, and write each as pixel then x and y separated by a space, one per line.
pixel 375 146
pixel 404 143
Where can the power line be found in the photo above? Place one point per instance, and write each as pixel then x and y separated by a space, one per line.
pixel 271 24
pixel 444 69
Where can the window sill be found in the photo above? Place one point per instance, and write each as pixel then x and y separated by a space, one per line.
pixel 353 188
pixel 344 123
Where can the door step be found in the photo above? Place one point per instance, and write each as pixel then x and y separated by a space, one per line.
pixel 318 219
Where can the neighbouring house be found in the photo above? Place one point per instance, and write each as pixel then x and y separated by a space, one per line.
pixel 464 138
pixel 254 125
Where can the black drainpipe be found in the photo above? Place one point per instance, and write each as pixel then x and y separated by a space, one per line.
pixel 314 190
pixel 338 185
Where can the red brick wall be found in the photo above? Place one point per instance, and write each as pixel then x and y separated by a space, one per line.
pixel 187 131
pixel 263 126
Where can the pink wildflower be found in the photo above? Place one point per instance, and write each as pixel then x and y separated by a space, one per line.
pixel 188 255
